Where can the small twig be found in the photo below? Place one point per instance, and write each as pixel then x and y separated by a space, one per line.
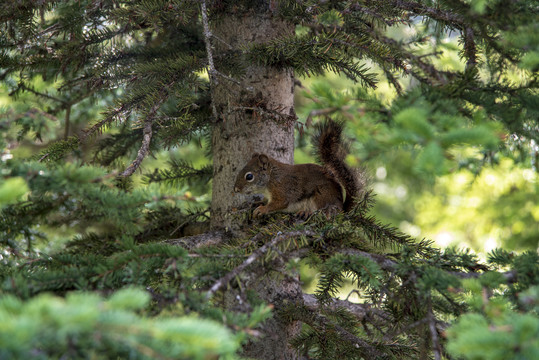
pixel 392 335
pixel 230 79
pixel 360 311
pixel 253 257
pixel 211 71
pixel 45 95
pixel 393 81
pixel 143 151
pixel 387 264
pixel 222 41
pixel 198 241
pixel 67 121
pixel 326 112
pixel 321 322
pixel 355 291
pixel 436 349
pixel 215 256
pixel 469 48
pixel 384 263
pixel 43 157
pixel 146 138
pixel 105 177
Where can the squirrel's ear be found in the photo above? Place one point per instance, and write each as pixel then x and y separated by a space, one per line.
pixel 255 155
pixel 263 161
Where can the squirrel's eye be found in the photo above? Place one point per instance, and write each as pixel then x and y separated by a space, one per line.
pixel 249 177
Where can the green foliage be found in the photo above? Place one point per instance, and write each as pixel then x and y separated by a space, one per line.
pixel 363 270
pixel 85 325
pixel 495 330
pixel 313 55
pixel 12 190
pixel 179 172
pixel 500 325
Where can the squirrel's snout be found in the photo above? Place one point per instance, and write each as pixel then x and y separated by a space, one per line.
pixel 236 189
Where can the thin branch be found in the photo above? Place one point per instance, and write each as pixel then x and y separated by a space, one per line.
pixel 43 157
pixel 255 256
pixel 436 348
pixel 97 126
pixel 360 311
pixel 390 265
pixel 393 81
pixel 434 13
pixel 393 334
pixel 326 111
pixel 373 13
pixel 67 121
pixel 384 263
pixel 232 80
pixel 198 241
pixel 146 138
pixel 45 95
pixel 222 41
pixel 323 325
pixel 470 48
pixel 211 71
pixel 143 151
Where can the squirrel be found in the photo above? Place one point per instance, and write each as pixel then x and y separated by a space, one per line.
pixel 304 188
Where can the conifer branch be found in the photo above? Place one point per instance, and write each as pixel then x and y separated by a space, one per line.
pixel 384 263
pixel 198 241
pixel 391 265
pixel 373 13
pixel 324 325
pixel 255 256
pixel 360 311
pixel 22 86
pixel 433 13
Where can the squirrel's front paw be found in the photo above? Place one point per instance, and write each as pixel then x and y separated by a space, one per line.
pixel 259 211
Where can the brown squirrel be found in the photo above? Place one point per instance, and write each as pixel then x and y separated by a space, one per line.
pixel 304 188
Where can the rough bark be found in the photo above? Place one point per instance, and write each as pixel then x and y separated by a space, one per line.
pixel 255 114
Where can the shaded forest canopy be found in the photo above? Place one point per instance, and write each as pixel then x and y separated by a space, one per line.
pixel 113 112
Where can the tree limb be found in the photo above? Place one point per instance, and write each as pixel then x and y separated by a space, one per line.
pixel 255 256
pixel 390 265
pixel 198 241
pixel 320 322
pixel 360 311
pixel 143 151
pixel 436 348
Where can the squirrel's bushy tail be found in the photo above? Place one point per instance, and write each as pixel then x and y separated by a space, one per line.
pixel 332 151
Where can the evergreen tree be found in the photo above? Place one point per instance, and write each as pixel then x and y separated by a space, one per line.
pixel 100 85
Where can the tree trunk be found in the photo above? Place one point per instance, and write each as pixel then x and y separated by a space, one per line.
pixel 256 115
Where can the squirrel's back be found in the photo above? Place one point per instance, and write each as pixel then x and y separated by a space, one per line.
pixel 332 151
